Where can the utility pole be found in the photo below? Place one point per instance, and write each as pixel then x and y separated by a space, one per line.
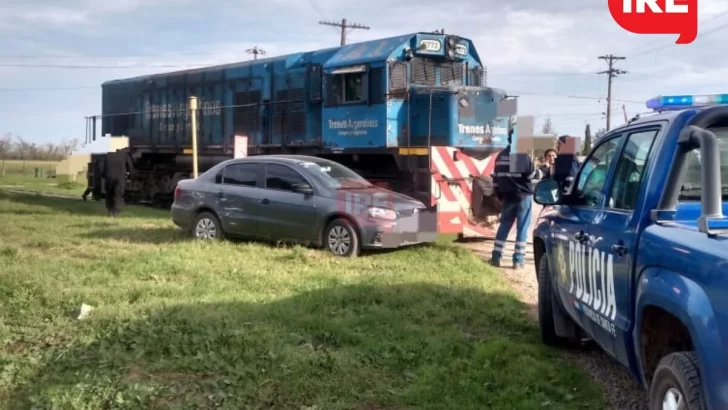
pixel 255 51
pixel 344 25
pixel 611 73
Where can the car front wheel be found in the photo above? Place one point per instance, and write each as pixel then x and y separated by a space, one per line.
pixel 341 239
pixel 546 306
pixel 207 226
pixel 676 384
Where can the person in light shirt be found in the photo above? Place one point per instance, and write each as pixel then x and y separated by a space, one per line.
pixel 545 170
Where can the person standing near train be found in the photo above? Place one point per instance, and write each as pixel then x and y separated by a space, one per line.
pixel 117 166
pixel 513 176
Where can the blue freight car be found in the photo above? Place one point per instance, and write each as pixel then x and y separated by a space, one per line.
pixel 412 112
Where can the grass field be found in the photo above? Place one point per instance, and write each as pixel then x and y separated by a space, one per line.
pixel 182 324
pixel 20 175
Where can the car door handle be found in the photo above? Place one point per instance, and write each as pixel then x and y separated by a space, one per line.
pixel 580 236
pixel 620 249
pixel 220 195
pixel 264 201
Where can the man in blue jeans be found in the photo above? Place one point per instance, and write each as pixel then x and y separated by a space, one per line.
pixel 513 186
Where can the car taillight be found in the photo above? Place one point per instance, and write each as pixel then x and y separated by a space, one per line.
pixel 177 192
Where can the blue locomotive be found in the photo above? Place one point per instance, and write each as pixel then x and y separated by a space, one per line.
pixel 411 112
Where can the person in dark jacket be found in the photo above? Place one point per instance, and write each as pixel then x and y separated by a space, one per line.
pixel 87 192
pixel 116 167
pixel 513 184
pixel 566 164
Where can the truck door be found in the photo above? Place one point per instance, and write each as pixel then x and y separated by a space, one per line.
pixel 572 225
pixel 613 235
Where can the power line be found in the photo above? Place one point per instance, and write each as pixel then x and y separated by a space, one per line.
pixel 513 93
pixel 662 46
pixel 157 54
pixel 261 52
pixel 102 67
pixel 574 74
pixel 524 93
pixel 344 25
pixel 320 13
pixel 568 114
pixel 316 8
pixel 52 89
pixel 577 97
pixel 611 74
pixel 659 45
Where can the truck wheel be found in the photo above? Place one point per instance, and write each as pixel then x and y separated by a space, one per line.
pixel 207 226
pixel 546 306
pixel 676 384
pixel 341 238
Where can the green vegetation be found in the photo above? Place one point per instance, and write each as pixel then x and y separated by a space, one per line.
pixel 21 176
pixel 183 324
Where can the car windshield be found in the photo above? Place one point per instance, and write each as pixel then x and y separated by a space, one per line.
pixel 336 175
pixel 691 185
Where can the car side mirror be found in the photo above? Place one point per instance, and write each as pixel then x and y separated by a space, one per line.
pixel 547 192
pixel 303 188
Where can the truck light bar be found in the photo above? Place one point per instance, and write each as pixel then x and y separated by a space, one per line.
pixel 681 102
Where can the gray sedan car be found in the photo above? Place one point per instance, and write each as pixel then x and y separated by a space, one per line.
pixel 301 199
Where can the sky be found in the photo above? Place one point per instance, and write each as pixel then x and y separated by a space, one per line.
pixel 54 54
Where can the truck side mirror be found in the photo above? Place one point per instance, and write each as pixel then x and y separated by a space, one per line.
pixel 547 192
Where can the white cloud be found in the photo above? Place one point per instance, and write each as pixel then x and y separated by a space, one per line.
pixel 17 16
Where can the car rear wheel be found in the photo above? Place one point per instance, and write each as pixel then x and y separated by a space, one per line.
pixel 676 384
pixel 207 226
pixel 341 238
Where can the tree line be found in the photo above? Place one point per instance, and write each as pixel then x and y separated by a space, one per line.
pixel 17 148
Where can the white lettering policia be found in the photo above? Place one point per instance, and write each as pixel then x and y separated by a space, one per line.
pixel 592 282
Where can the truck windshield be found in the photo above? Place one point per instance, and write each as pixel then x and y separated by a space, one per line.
pixel 335 175
pixel 691 186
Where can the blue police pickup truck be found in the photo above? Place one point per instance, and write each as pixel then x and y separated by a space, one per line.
pixel 633 253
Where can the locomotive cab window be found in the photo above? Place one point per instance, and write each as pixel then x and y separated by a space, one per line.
pixel 347 85
pixel 353 90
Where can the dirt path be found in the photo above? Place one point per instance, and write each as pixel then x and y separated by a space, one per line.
pixel 621 392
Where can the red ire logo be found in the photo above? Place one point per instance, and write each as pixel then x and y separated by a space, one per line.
pixel 658 17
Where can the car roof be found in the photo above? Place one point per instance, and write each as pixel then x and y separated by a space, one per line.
pixel 649 117
pixel 667 115
pixel 286 158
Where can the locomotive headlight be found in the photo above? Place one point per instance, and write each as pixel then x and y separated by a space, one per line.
pixel 451 44
pixel 463 102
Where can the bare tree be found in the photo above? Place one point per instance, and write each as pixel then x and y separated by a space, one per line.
pixel 548 127
pixel 68 146
pixel 6 145
pixel 16 147
pixel 22 148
